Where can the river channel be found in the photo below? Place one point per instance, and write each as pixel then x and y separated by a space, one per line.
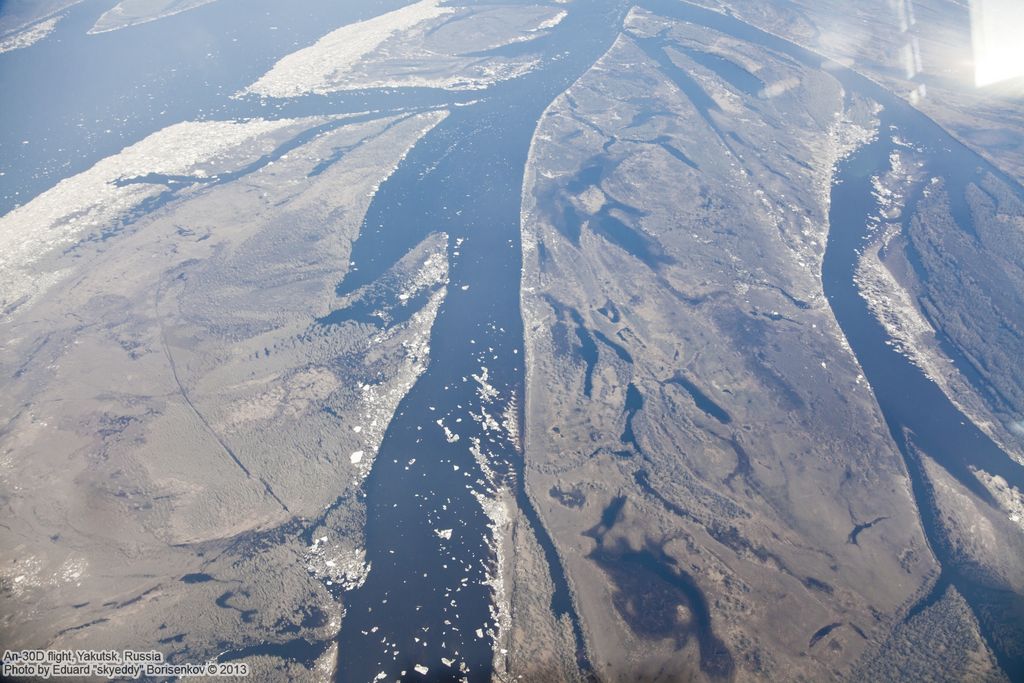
pixel 425 602
pixel 910 402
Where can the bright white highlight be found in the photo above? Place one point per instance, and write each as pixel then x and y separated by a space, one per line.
pixel 997 32
pixel 320 67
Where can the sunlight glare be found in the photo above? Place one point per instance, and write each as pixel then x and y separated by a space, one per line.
pixel 997 32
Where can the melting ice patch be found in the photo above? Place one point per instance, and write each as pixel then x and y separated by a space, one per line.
pixel 97 199
pixel 424 45
pixel 29 36
pixel 500 520
pixel 552 22
pixel 336 565
pixel 322 67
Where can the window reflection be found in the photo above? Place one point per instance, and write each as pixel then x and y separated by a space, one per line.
pixel 997 34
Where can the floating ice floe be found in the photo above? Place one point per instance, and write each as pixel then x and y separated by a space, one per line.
pixel 414 47
pixel 552 22
pixel 29 36
pixel 319 67
pixel 346 568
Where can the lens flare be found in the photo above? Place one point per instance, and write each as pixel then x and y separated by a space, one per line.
pixel 997 32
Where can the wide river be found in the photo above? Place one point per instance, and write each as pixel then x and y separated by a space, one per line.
pixel 425 600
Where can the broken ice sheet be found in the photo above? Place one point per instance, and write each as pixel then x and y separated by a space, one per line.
pixel 95 200
pixel 413 47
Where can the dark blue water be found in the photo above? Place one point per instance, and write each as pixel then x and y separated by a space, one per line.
pixel 424 599
pixel 701 400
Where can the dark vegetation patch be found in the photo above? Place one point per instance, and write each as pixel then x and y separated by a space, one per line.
pixel 702 400
pixel 857 529
pixel 196 578
pixel 572 498
pixel 634 403
pixel 656 597
pixel 822 632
